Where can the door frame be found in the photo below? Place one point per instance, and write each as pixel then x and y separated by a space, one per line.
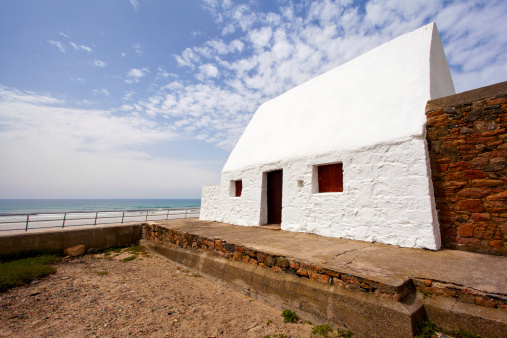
pixel 264 198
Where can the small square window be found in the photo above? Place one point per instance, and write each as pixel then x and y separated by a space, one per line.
pixel 236 188
pixel 331 177
pixel 239 188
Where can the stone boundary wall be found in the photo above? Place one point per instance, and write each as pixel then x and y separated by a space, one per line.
pixel 160 235
pixel 467 142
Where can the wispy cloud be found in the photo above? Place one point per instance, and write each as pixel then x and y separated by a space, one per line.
pixel 138 49
pixel 57 44
pixel 100 64
pixel 80 47
pixel 134 3
pixel 101 91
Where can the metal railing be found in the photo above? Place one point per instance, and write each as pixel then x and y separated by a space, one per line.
pixel 22 222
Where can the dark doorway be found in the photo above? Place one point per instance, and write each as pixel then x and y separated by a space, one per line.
pixel 274 195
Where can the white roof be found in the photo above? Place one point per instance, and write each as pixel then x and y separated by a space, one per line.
pixel 377 97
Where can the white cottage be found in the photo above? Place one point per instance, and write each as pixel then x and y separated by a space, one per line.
pixel 344 154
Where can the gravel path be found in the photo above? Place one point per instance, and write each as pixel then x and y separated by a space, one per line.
pixel 102 295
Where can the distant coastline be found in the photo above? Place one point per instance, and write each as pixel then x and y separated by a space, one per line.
pixel 37 206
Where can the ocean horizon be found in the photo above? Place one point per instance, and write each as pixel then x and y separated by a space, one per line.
pixel 40 206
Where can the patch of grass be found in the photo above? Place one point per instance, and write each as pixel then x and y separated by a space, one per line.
pixel 426 294
pixel 289 316
pixel 102 273
pixel 22 271
pixel 344 334
pixel 129 258
pixel 308 322
pixel 267 336
pixel 269 322
pixel 322 330
pixel 464 334
pixel 427 329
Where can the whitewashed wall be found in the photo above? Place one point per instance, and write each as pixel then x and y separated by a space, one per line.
pixel 385 198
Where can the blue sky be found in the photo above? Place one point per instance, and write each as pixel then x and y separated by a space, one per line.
pixel 146 98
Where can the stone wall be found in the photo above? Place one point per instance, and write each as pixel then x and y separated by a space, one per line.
pixel 467 140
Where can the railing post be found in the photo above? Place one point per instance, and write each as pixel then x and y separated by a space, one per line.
pixel 27 219
pixel 122 216
pixel 64 217
pixel 146 220
pixel 96 214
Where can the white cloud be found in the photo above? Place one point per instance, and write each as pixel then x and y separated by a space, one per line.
pixel 138 49
pixel 64 35
pixel 206 71
pixel 100 64
pixel 101 91
pixel 134 74
pixel 80 47
pixel 57 45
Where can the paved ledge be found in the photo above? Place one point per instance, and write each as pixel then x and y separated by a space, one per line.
pixel 469 96
pixel 389 288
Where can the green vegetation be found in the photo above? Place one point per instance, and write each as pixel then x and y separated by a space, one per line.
pixel 135 251
pixel 269 322
pixel 427 329
pixel 289 316
pixel 322 330
pixel 102 273
pixel 129 258
pixel 344 334
pixel 21 271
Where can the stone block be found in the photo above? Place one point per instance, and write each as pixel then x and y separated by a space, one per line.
pixel 74 251
pixel 470 205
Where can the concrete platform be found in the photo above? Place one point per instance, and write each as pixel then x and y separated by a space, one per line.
pixel 373 289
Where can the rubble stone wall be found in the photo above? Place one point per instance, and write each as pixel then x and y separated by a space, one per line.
pixel 467 141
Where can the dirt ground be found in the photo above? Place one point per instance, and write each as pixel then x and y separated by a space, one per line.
pixel 101 295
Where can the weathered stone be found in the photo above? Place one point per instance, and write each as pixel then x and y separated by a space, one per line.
pixel 474 115
pixel 466 230
pixel 294 265
pixel 481 217
pixel 495 167
pixel 75 251
pixel 474 174
pixel 281 262
pixel 230 247
pixel 325 279
pixel 487 183
pixel 470 205
pixel 460 165
pixel 269 261
pixel 302 272
pixel 501 196
pixel 474 192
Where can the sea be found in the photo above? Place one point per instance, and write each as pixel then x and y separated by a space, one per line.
pixel 29 214
pixel 38 206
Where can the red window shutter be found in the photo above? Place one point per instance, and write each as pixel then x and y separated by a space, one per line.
pixel 331 178
pixel 239 187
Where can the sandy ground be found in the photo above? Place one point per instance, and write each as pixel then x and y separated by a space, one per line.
pixel 101 295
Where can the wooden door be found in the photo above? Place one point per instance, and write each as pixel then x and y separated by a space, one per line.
pixel 274 195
